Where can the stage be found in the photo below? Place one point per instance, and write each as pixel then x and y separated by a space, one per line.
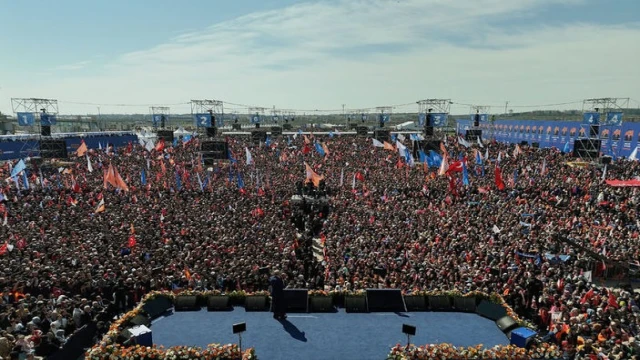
pixel 323 336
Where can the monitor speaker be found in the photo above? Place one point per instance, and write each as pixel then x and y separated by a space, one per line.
pixel 53 149
pixel 45 130
pixel 212 131
pixel 506 324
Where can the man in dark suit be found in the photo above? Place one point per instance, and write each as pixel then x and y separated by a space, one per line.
pixel 276 286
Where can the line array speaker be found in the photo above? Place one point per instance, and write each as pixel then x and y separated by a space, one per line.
pixel 53 149
pixel 258 136
pixel 214 150
pixel 362 130
pixel 45 130
pixel 276 130
pixel 382 135
pixel 166 135
pixel 473 135
pixel 212 131
pixel 428 131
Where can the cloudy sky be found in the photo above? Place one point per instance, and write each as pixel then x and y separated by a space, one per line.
pixel 308 55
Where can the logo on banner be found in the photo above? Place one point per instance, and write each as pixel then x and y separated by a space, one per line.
pixel 156 119
pixel 592 118
pixel 616 134
pixel 364 117
pixel 614 118
pixel 47 120
pixel 421 119
pixel 439 119
pixel 275 118
pixel 25 119
pixel 202 120
pixel 255 119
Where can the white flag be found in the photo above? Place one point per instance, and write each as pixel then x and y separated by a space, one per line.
pixel 249 157
pixel 463 142
pixel 604 173
pixel 401 137
pixel 495 229
pixel 89 167
pixel 341 177
pixel 480 142
pixel 377 143
pixel 634 154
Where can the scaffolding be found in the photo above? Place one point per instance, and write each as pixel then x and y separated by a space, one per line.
pixel 596 135
pixel 435 106
pixel 163 113
pixel 36 107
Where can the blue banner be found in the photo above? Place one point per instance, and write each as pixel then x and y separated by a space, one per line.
pixel 364 117
pixel 156 119
pixel 26 119
pixel 483 117
pixel 591 118
pixel 47 119
pixel 439 119
pixel 202 120
pixel 421 119
pixel 219 120
pixel 384 118
pixel 614 118
pixel 255 119
pixel 275 118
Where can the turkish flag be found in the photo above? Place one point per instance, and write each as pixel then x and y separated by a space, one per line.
pixel 132 241
pixel 499 182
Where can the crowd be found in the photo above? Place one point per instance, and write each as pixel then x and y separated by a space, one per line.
pixel 81 246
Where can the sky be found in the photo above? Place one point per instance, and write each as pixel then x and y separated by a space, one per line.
pixel 122 56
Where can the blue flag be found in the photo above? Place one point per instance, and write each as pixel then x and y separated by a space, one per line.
pixel 394 138
pixel 515 176
pixel 143 177
pixel 566 148
pixel 267 141
pixel 25 180
pixel 20 166
pixel 331 134
pixel 465 174
pixel 240 182
pixel 178 182
pixel 423 157
pixel 206 182
pixel 319 149
pixel 437 159
pixel 233 161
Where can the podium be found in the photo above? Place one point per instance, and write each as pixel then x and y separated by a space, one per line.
pixel 142 335
pixel 521 337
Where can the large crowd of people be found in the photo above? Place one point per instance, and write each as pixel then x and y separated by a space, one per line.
pixel 86 239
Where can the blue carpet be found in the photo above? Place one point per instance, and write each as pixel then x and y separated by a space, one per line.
pixel 324 336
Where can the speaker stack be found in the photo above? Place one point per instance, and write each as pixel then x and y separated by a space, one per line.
pixel 382 135
pixel 473 135
pixel 213 150
pixel 276 131
pixel 53 149
pixel 166 135
pixel 212 131
pixel 426 146
pixel 236 127
pixel 258 136
pixel 45 130
pixel 362 130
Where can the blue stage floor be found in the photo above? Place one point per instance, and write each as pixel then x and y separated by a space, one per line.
pixel 321 336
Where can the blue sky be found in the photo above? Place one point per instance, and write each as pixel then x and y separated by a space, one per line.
pixel 317 55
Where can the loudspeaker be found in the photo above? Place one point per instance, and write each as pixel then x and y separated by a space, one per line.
pixel 166 135
pixel 362 130
pixel 428 131
pixel 157 306
pixel 490 310
pixel 355 304
pixel 605 160
pixel 594 131
pixel 212 131
pixel 408 329
pixel 465 304
pixel 214 150
pixel 258 136
pixel 506 324
pixel 53 149
pixel 276 131
pixel 218 303
pixel 45 130
pixel 473 135
pixel 522 337
pixel 535 145
pixel 186 303
pixel 382 135
pixel 385 300
pixel 415 303
pixel 236 126
pixel 297 300
pixel 353 126
pixel 239 328
pixel 524 143
pixel 287 127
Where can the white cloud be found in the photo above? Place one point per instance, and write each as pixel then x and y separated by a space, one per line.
pixel 75 66
pixel 370 53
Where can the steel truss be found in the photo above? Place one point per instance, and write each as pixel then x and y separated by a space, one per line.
pixel 35 106
pixel 601 136
pixel 442 106
pixel 160 110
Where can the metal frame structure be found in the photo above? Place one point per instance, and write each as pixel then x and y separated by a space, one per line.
pixel 35 106
pixel 160 110
pixel 601 106
pixel 438 106
pixel 278 113
pixel 207 106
